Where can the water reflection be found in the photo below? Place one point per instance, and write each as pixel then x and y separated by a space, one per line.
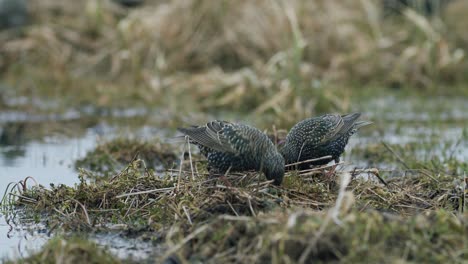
pixel 25 151
pixel 12 133
pixel 18 240
pixel 47 151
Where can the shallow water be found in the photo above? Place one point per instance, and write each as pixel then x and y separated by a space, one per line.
pixel 19 240
pixel 49 157
pixel 50 160
pixel 438 126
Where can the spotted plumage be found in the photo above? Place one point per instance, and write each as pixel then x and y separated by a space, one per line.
pixel 316 137
pixel 237 147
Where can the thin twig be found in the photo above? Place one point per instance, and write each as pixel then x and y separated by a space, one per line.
pixel 187 214
pixel 126 168
pixel 308 161
pixel 185 240
pixel 332 214
pixel 251 208
pixel 84 211
pixel 26 199
pixel 190 157
pixel 232 208
pixel 180 168
pixel 374 172
pixel 145 192
pixel 423 172
pixel 310 171
pixel 235 218
pixel 395 154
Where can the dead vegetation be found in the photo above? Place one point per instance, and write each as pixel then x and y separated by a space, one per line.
pixel 307 236
pixel 304 56
pixel 242 217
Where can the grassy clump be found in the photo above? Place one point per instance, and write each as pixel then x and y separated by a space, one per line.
pixel 110 157
pixel 70 250
pixel 305 236
pixel 138 198
pixel 416 216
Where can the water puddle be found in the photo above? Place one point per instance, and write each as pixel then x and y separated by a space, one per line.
pixel 48 156
pixel 19 240
pixel 125 247
pixel 437 126
pixel 48 161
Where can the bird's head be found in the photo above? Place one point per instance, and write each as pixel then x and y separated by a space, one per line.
pixel 274 168
pixel 289 153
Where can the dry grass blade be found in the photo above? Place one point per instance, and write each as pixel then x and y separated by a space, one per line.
pixel 320 169
pixel 189 237
pixel 373 171
pixel 85 211
pixel 308 161
pixel 423 24
pixel 190 156
pixel 162 190
pixel 187 214
pixel 332 215
pixel 396 155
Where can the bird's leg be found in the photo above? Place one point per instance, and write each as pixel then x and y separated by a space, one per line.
pixel 225 180
pixel 212 173
pixel 333 168
pixel 220 175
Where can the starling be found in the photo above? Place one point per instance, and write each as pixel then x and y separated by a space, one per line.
pixel 237 147
pixel 316 137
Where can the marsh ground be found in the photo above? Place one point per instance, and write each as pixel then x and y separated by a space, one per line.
pixel 86 86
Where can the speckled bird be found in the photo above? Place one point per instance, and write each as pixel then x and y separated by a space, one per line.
pixel 237 147
pixel 317 137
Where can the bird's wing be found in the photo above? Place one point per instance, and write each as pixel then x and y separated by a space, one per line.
pixel 210 135
pixel 349 123
pixel 331 126
pixel 342 125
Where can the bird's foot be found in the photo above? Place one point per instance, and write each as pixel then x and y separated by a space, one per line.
pixel 219 175
pixel 332 170
pixel 224 179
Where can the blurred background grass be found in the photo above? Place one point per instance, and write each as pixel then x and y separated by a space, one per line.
pixel 76 74
pixel 291 59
